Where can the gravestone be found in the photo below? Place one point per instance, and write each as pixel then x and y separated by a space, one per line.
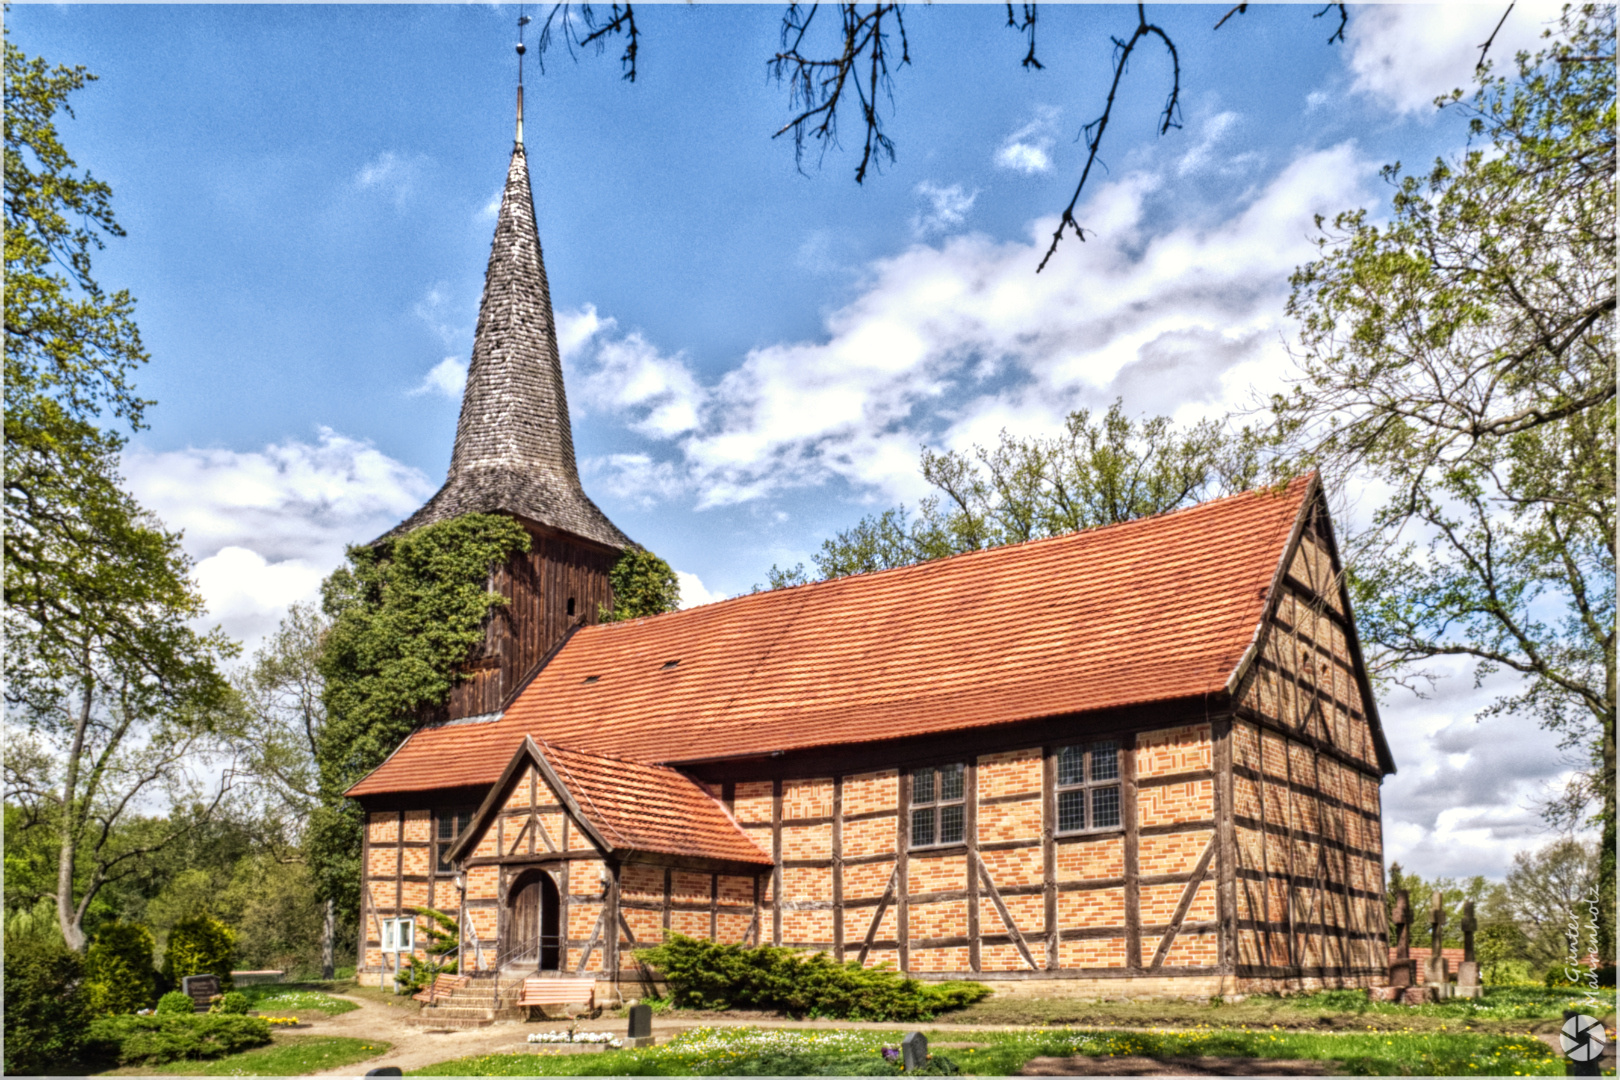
pixel 1436 972
pixel 386 1070
pixel 914 1051
pixel 1468 985
pixel 640 1033
pixel 201 989
pixel 1402 969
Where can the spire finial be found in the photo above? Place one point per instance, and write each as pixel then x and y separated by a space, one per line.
pixel 523 20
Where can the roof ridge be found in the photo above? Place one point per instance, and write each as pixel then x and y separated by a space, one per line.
pixel 1268 489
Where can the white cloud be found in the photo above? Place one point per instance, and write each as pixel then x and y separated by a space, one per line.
pixel 1210 133
pixel 447 377
pixel 266 526
pixel 948 343
pixel 441 314
pixel 247 594
pixel 1029 149
pixel 1406 55
pixel 947 208
pixel 1466 791
pixel 390 175
pixel 693 591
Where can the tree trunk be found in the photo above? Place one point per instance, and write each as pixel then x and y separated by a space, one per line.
pixel 328 941
pixel 67 912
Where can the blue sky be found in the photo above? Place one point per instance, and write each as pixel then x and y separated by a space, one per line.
pixel 755 355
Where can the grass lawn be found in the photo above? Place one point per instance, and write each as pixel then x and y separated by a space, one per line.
pixel 288 1055
pixel 753 1052
pixel 291 999
pixel 1503 1010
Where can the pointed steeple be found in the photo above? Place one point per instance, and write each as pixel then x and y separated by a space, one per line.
pixel 514 450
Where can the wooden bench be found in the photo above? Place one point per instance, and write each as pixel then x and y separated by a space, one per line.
pixel 537 992
pixel 442 986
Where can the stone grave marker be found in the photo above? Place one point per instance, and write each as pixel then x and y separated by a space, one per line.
pixel 1436 972
pixel 914 1051
pixel 201 989
pixel 640 1033
pixel 1468 984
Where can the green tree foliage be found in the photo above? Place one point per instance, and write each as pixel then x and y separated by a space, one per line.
pixel 1097 471
pixel 1461 357
pixel 406 613
pixel 643 584
pixel 118 969
pixel 199 945
pixel 1489 898
pixel 284 716
pixel 46 1007
pixel 114 686
pixel 708 975
pixel 1547 891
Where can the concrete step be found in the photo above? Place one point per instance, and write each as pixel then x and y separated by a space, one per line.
pixel 424 1020
pixel 460 1012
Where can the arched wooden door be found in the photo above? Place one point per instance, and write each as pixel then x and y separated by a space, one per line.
pixel 531 939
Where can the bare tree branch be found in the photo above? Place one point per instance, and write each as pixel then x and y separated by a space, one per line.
pixel 817 87
pixel 1344 20
pixel 1479 68
pixel 1094 131
pixel 1027 27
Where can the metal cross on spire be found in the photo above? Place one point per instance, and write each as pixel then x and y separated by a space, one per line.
pixel 523 20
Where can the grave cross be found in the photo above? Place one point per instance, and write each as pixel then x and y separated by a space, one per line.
pixel 1437 922
pixel 1469 925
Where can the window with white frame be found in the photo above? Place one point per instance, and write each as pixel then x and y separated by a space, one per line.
pixel 399 935
pixel 1088 787
pixel 936 806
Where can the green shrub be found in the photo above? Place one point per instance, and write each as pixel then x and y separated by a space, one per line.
pixel 1561 975
pixel 46 1006
pixel 234 1003
pixel 118 972
pixel 707 975
pixel 175 1003
pixel 154 1040
pixel 199 945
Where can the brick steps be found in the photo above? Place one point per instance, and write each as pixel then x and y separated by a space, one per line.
pixel 470 1006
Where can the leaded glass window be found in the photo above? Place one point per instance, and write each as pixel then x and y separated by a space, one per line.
pixel 1088 787
pixel 936 806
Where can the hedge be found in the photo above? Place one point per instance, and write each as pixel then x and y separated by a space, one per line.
pixel 708 975
pixel 165 1037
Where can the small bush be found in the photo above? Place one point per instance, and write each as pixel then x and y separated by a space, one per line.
pixel 1562 975
pixel 154 1040
pixel 118 971
pixel 199 945
pixel 174 1003
pixel 234 1003
pixel 46 1005
pixel 707 975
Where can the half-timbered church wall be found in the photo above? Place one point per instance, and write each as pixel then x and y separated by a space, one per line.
pixel 1307 767
pixel 1163 778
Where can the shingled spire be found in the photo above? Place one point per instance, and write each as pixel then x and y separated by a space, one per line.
pixel 514 450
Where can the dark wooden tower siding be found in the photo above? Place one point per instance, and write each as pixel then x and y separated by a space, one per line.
pixel 560 584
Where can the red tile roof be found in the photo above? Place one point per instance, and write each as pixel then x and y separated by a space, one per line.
pixel 1150 610
pixel 636 807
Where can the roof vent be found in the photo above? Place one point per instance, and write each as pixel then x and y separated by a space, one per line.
pixel 592 678
pixel 670 663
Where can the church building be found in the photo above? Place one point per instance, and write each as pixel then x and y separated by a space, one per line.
pixel 1135 760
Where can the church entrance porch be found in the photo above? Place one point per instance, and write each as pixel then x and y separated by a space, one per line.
pixel 530 939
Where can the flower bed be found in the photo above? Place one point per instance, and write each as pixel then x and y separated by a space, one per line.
pixel 600 1037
